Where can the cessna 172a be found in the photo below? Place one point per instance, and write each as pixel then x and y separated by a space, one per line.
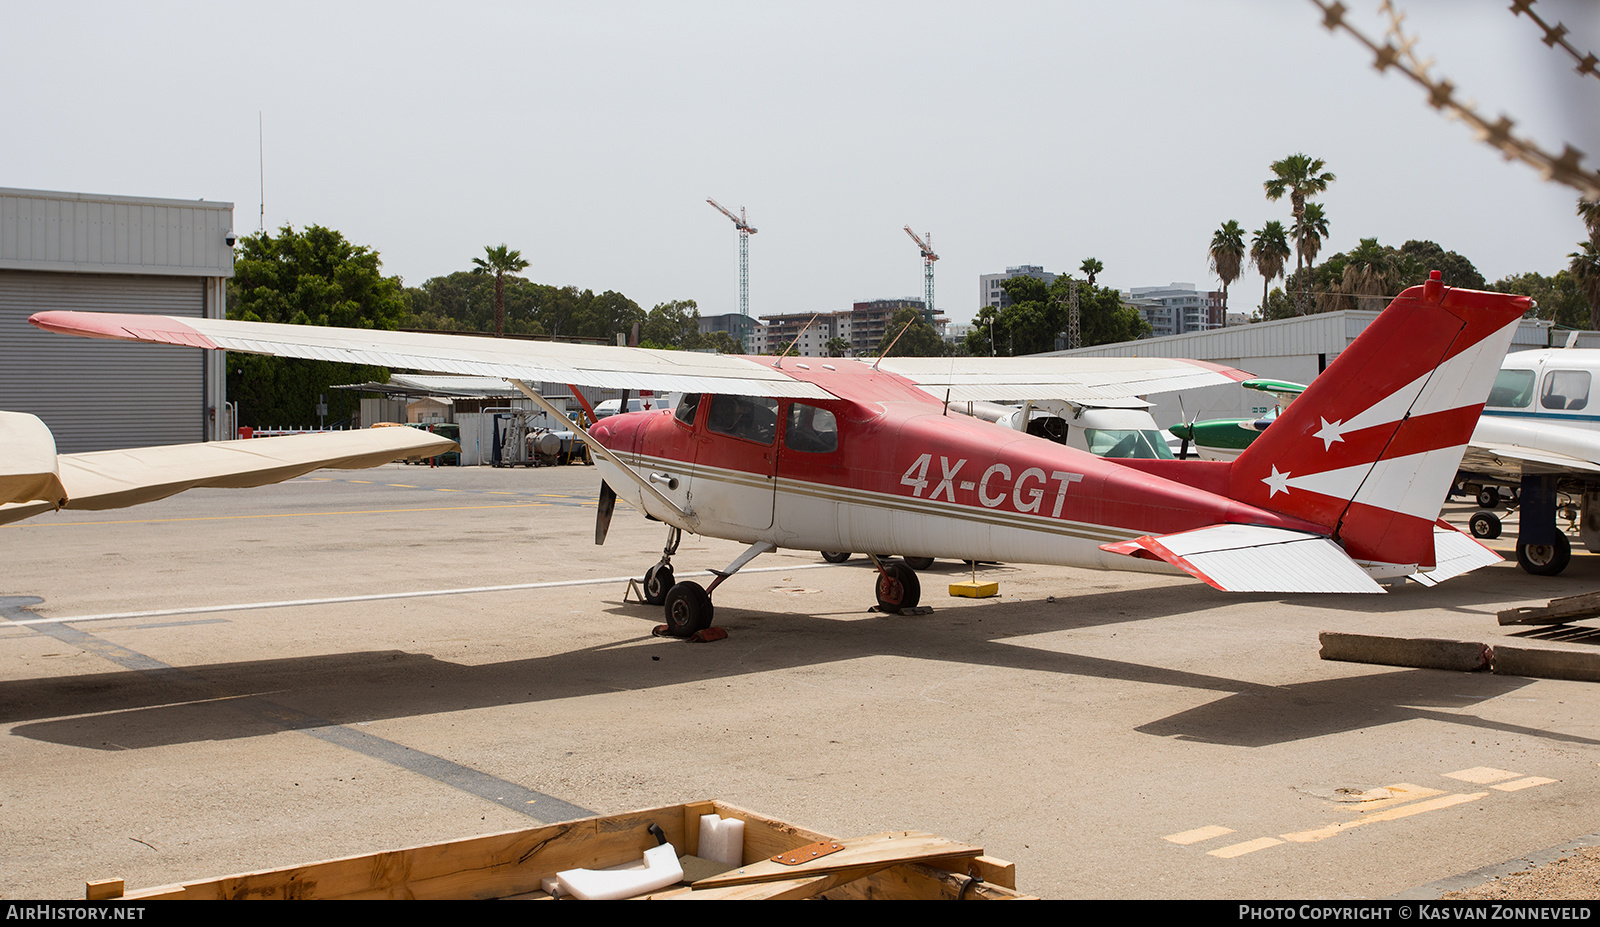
pixel 814 455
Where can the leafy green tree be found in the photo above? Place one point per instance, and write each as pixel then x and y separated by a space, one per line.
pixel 1269 251
pixel 674 324
pixel 1038 315
pixel 720 342
pixel 1299 176
pixel 909 335
pixel 837 347
pixel 1311 230
pixel 1557 299
pixel 1227 258
pixel 1367 272
pixel 1091 268
pixel 312 277
pixel 499 261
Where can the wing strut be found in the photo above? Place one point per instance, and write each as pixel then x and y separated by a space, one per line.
pixel 690 520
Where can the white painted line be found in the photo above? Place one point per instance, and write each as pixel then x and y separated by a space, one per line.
pixel 376 597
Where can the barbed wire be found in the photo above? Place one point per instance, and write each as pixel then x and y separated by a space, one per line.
pixel 1556 35
pixel 1566 168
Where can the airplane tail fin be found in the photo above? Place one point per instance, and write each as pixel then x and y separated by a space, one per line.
pixel 1371 447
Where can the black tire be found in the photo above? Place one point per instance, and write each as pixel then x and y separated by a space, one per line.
pixel 1488 497
pixel 688 609
pixel 918 563
pixel 836 556
pixel 1485 525
pixel 1545 559
pixel 657 583
pixel 898 588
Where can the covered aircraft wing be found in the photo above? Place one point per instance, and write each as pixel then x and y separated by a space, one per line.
pixel 28 465
pixel 1077 378
pixel 1073 379
pixel 116 479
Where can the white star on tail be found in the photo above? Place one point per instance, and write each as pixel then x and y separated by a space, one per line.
pixel 1331 432
pixel 1277 482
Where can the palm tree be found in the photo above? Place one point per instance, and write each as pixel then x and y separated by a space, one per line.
pixel 1227 258
pixel 1269 251
pixel 1585 268
pixel 1367 273
pixel 1300 176
pixel 499 260
pixel 1590 214
pixel 1090 268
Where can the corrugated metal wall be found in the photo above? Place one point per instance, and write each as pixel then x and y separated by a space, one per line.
pixel 43 230
pixel 98 395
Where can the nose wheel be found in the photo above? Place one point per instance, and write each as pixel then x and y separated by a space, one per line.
pixel 897 587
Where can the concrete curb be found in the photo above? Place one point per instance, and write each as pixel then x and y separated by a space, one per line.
pixel 1461 656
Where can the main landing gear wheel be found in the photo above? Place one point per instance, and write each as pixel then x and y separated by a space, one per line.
pixel 1489 497
pixel 657 583
pixel 918 563
pixel 898 588
pixel 1545 559
pixel 836 556
pixel 688 609
pixel 1485 525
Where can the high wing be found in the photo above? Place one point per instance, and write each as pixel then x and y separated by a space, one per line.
pixel 1078 379
pixel 34 479
pixel 1506 448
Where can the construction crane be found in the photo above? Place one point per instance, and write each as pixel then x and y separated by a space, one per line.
pixel 745 231
pixel 928 257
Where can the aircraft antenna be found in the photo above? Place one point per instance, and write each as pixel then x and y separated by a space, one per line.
pixel 261 143
pixel 779 361
pixel 928 257
pixel 745 231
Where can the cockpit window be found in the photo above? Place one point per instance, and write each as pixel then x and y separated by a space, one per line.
pixel 1148 445
pixel 811 429
pixel 1512 389
pixel 1565 389
pixel 687 407
pixel 753 418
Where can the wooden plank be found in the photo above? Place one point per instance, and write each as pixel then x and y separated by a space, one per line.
pixel 1558 611
pixel 923 882
pixel 885 849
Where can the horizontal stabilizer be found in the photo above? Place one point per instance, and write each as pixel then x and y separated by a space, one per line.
pixel 1456 553
pixel 1255 558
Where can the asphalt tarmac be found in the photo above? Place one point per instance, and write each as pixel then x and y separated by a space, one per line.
pixel 232 680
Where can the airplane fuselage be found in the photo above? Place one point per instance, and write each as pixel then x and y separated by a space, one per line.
pixel 884 468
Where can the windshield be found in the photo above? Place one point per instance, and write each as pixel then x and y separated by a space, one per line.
pixel 1104 442
pixel 1512 388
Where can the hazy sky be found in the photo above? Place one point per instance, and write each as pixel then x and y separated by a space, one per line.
pixel 588 135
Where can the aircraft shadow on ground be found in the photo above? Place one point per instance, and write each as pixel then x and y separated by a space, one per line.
pixel 172 705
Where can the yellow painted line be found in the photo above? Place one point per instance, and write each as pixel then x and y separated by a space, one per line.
pixel 362 481
pixel 1240 849
pixel 401 485
pixel 145 521
pixel 1197 835
pixel 1392 814
pixel 1527 782
pixel 437 489
pixel 1481 775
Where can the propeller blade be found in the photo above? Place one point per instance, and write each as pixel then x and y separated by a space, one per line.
pixel 602 515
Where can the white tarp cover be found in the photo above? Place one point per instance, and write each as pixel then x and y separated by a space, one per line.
pixel 28 460
pixel 115 479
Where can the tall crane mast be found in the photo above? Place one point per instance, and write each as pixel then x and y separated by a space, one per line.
pixel 928 257
pixel 745 231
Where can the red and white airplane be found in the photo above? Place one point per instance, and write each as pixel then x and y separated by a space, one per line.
pixel 805 453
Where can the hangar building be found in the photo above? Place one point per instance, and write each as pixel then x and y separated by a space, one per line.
pixel 112 254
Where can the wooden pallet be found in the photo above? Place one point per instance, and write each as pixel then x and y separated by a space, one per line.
pixel 900 865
